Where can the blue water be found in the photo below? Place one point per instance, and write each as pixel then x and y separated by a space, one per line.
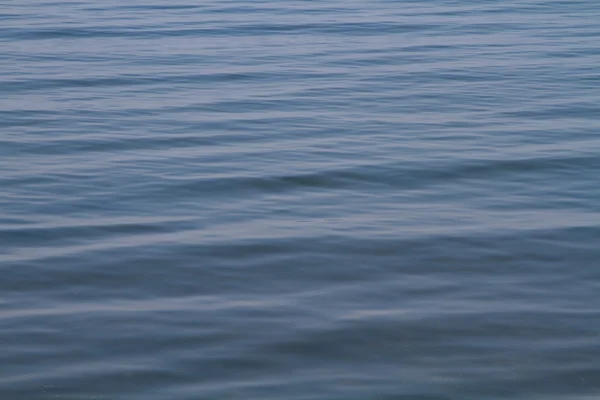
pixel 300 200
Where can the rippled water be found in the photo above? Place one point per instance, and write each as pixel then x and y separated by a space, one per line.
pixel 300 200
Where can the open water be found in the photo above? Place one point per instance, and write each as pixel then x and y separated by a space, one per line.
pixel 300 200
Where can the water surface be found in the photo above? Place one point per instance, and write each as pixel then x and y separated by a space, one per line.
pixel 300 200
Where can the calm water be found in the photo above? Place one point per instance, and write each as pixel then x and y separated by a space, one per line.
pixel 300 200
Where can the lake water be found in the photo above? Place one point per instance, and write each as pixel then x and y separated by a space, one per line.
pixel 300 200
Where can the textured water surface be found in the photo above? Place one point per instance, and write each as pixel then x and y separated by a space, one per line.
pixel 300 200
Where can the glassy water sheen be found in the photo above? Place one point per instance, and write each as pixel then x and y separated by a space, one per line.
pixel 300 200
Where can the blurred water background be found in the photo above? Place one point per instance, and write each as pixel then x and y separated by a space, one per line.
pixel 300 200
